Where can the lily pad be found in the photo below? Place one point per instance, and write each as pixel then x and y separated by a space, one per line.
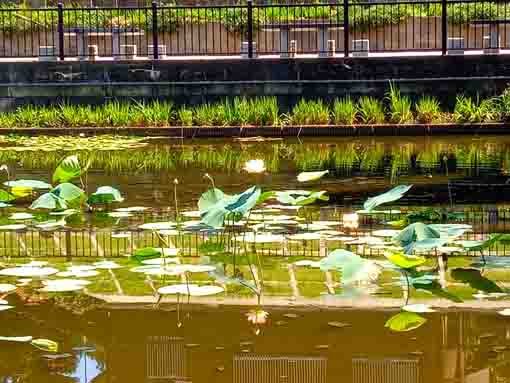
pixel 6 288
pixel 390 196
pixel 32 184
pixel 105 195
pixel 14 227
pixel 418 308
pixel 28 271
pixel 158 226
pixel 21 216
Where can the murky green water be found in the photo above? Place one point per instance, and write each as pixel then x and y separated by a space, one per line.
pixel 258 307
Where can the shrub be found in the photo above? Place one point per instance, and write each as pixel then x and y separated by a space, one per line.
pixel 371 110
pixel 344 112
pixel 428 110
pixel 309 113
pixel 399 107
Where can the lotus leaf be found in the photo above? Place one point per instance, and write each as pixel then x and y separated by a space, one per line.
pixel 405 321
pixel 311 176
pixel 105 195
pixel 390 196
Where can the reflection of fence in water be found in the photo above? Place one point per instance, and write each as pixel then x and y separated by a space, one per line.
pixel 386 370
pixel 165 358
pixel 105 242
pixel 274 369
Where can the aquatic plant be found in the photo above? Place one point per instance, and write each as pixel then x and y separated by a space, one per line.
pixel 399 108
pixel 428 110
pixel 344 112
pixel 309 112
pixel 371 110
pixel 468 110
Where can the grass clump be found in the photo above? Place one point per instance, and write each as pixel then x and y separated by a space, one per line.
pixel 468 110
pixel 156 113
pixel 344 112
pixel 428 110
pixel 399 107
pixel 371 110
pixel 309 112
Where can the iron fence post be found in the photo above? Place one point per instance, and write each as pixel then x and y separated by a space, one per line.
pixel 444 27
pixel 60 30
pixel 346 28
pixel 250 29
pixel 155 42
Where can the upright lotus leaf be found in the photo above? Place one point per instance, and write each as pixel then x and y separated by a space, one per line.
pixel 70 193
pixel 105 195
pixel 352 266
pixel 239 204
pixel 67 170
pixel 404 261
pixel 32 184
pixel 210 198
pixel 300 197
pixel 311 176
pixel 475 279
pixel 405 321
pixel 451 230
pixel 482 245
pixel 392 195
pixel 49 201
pixel 419 236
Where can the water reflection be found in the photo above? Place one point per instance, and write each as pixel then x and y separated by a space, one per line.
pixel 140 344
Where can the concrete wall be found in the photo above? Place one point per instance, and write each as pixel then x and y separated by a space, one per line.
pixel 289 80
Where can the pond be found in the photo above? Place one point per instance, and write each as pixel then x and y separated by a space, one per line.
pixel 131 259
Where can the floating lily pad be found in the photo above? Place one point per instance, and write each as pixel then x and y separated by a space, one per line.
pixel 311 176
pixel 21 216
pixel 107 265
pixel 305 236
pixel 14 227
pixel 6 288
pixel 132 209
pixel 405 321
pixel 306 262
pixel 418 308
pixel 191 289
pixel 28 271
pixel 17 339
pixel 5 307
pixel 32 184
pixel 121 235
pixel 158 226
pixel 260 238
pixel 160 261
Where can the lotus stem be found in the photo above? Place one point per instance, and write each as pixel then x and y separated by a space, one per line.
pixel 206 175
pixel 176 182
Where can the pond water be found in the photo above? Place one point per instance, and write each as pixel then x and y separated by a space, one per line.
pixel 141 291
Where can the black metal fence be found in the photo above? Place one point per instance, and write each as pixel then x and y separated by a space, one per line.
pixel 338 29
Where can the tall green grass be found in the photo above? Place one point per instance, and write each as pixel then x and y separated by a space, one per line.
pixel 428 110
pixel 309 112
pixel 399 107
pixel 371 110
pixel 344 112
pixel 263 111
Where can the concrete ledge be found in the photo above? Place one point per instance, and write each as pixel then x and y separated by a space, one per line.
pixel 277 131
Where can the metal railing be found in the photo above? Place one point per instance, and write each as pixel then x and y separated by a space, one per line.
pixel 331 29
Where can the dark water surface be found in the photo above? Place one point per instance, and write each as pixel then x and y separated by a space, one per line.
pixel 316 330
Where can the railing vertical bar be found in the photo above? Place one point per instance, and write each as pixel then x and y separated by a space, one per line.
pixel 60 22
pixel 346 28
pixel 444 27
pixel 155 42
pixel 250 29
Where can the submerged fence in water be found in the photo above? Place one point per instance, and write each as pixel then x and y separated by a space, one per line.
pixel 328 29
pixel 194 240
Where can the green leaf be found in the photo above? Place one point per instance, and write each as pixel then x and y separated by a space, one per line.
pixel 146 253
pixel 353 267
pixel 392 195
pixel 481 245
pixel 405 321
pixel 105 195
pixel 435 288
pixel 311 176
pixel 49 201
pixel 32 184
pixel 68 170
pixel 215 205
pixel 475 279
pixel 45 345
pixel 5 196
pixel 418 235
pixel 70 193
pixel 403 261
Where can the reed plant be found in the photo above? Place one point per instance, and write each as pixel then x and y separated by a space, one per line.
pixel 344 112
pixel 371 110
pixel 468 110
pixel 155 113
pixel 428 110
pixel 309 112
pixel 399 110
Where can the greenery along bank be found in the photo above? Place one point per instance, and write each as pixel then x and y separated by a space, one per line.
pixel 393 109
pixel 170 17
